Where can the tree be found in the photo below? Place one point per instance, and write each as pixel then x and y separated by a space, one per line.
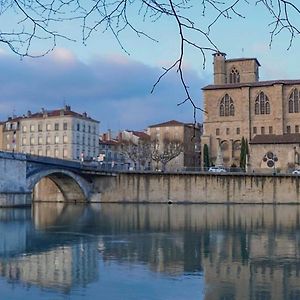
pixel 139 154
pixel 163 153
pixel 206 156
pixel 31 22
pixel 243 154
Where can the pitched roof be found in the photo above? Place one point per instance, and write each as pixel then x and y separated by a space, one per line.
pixel 52 113
pixel 168 123
pixel 250 84
pixel 288 138
pixel 141 134
pixel 110 142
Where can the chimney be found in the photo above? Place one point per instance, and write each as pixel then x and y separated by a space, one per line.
pixel 109 134
pixel 28 113
pixel 67 107
pixel 85 114
pixel 120 136
pixel 104 137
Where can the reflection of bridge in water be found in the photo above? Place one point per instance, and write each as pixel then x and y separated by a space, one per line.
pixel 245 252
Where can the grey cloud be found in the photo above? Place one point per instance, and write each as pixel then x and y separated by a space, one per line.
pixel 114 91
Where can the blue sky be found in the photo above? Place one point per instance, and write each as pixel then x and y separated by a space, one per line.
pixel 114 87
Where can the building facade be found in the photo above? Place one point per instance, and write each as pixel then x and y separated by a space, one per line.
pixel 60 133
pixel 239 105
pixel 187 135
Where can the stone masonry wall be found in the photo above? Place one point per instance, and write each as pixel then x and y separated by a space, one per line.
pixel 198 188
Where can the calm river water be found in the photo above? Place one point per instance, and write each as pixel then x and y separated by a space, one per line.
pixel 111 251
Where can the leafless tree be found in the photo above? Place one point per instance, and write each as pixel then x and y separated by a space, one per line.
pixel 29 22
pixel 163 153
pixel 139 154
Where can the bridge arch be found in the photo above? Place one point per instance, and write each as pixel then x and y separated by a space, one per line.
pixel 72 186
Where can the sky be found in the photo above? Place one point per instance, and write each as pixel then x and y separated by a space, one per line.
pixel 114 86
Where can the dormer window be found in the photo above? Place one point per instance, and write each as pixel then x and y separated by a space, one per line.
pixel 234 76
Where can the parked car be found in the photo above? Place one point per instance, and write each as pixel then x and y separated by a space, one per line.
pixel 217 170
pixel 296 172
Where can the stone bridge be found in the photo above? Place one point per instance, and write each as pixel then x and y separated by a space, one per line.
pixel 20 173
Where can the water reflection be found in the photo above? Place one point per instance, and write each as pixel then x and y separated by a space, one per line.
pixel 242 252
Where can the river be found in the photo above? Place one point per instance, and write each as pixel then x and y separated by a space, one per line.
pixel 126 251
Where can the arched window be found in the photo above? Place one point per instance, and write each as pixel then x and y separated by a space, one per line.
pixel 294 101
pixel 234 76
pixel 262 104
pixel 226 106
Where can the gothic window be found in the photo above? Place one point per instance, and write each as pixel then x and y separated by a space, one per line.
pixel 226 106
pixel 294 101
pixel 262 104
pixel 234 76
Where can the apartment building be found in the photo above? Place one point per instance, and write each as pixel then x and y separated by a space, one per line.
pixel 185 134
pixel 60 133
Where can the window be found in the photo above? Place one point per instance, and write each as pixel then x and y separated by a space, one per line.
pixel 83 140
pixel 56 139
pixel 78 127
pixel 48 127
pixel 294 101
pixel 288 129
pixel 7 126
pixel 31 128
pixel 48 140
pixel 40 140
pixel 227 130
pixel 32 140
pixel 48 152
pixel 15 126
pixel 262 105
pixel 56 153
pixel 270 129
pixel 218 131
pixel 89 128
pixel 83 127
pixel 56 126
pixel 24 141
pixel 40 152
pixel 40 127
pixel 65 139
pixel 297 129
pixel 238 130
pixel 226 106
pixel 254 130
pixel 65 126
pixel 234 76
pixel 8 146
pixel 65 152
pixel 24 128
pixel 262 130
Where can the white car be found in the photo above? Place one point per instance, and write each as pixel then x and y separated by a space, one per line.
pixel 296 172
pixel 217 170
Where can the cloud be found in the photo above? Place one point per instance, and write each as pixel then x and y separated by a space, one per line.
pixel 114 89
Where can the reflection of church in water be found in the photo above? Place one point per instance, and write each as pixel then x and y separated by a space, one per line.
pixel 266 113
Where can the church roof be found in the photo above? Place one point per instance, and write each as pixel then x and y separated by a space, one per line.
pixel 288 138
pixel 250 84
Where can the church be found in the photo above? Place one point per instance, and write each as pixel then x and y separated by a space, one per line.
pixel 266 113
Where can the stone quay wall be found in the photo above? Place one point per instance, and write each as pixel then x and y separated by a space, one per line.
pixel 198 188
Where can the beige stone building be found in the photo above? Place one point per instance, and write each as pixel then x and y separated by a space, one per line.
pixel 186 134
pixel 266 113
pixel 60 133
